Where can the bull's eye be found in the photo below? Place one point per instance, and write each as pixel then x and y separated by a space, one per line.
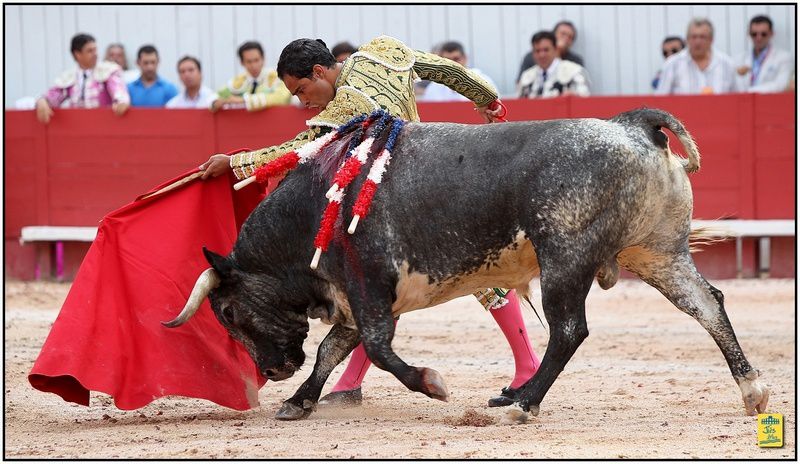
pixel 227 314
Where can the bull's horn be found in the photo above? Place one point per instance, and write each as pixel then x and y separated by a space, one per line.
pixel 207 281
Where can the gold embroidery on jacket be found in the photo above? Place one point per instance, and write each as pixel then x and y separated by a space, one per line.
pixel 382 73
pixel 348 103
pixel 437 69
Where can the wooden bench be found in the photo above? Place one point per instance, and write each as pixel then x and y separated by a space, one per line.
pixel 56 235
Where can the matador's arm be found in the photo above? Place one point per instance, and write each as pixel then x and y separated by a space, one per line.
pixel 345 105
pixel 434 68
pixel 245 164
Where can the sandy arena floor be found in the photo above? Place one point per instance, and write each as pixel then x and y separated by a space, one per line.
pixel 649 382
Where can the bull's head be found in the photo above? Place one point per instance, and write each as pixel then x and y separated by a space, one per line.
pixel 256 310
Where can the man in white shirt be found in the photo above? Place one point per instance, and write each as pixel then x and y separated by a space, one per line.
pixel 551 76
pixel 194 94
pixel 765 68
pixel 699 68
pixel 436 92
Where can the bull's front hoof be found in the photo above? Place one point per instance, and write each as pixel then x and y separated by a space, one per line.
pixel 754 393
pixel 433 384
pixel 291 411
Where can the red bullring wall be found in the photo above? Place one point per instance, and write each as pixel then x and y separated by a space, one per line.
pixel 86 163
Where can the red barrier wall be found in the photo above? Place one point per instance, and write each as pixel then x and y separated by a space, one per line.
pixel 86 163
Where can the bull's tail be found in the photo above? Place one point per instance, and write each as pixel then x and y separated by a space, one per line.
pixel 656 119
pixel 703 236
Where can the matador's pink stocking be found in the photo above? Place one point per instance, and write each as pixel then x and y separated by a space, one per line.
pixel 356 369
pixel 509 318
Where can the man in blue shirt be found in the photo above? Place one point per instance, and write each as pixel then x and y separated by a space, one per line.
pixel 149 89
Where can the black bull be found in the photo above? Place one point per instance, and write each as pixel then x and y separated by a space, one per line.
pixel 465 207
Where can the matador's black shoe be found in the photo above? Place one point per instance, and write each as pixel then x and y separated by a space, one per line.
pixel 344 398
pixel 507 397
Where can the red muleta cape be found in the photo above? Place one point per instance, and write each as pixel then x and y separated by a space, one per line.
pixel 138 272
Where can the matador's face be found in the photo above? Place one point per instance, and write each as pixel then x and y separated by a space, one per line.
pixel 315 91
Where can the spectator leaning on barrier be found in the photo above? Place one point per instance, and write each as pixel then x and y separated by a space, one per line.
pixel 765 68
pixel 670 46
pixel 255 89
pixel 342 51
pixel 116 53
pixel 551 76
pixel 90 85
pixel 194 94
pixel 565 33
pixel 150 89
pixel 435 92
pixel 699 68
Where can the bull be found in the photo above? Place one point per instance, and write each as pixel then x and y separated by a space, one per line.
pixel 579 197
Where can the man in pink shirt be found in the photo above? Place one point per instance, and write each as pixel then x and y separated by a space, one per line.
pixel 90 85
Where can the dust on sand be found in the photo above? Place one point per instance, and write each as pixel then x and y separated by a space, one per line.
pixel 649 382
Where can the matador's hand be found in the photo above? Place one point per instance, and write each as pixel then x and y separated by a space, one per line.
pixel 489 115
pixel 215 166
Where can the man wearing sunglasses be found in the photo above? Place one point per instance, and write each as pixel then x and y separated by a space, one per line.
pixel 700 69
pixel 765 68
pixel 670 46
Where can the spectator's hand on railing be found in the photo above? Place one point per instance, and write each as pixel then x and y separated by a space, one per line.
pixel 120 108
pixel 220 102
pixel 216 105
pixel 43 111
pixel 215 166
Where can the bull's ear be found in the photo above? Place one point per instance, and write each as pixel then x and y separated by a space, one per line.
pixel 218 262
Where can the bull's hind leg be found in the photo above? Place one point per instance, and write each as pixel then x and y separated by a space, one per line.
pixel 676 277
pixel 564 290
pixel 334 348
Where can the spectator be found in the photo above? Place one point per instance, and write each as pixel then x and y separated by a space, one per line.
pixel 257 88
pixel 150 89
pixel 437 92
pixel 699 68
pixel 195 94
pixel 116 53
pixel 551 76
pixel 342 51
pixel 565 33
pixel 90 85
pixel 670 46
pixel 765 68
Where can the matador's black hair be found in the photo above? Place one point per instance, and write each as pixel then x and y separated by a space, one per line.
pixel 299 57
